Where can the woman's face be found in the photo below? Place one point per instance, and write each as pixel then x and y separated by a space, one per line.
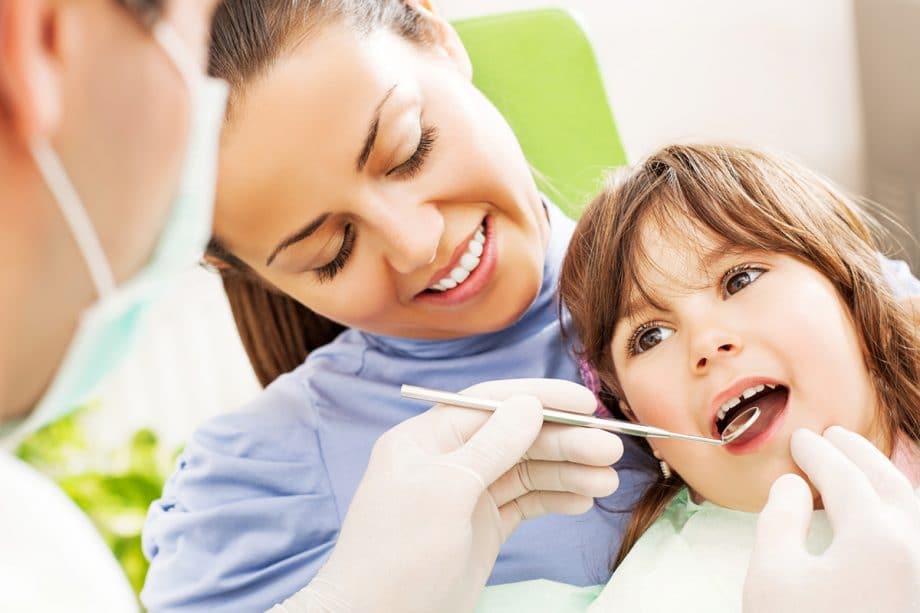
pixel 356 173
pixel 732 325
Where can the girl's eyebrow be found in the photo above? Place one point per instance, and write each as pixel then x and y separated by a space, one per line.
pixel 372 131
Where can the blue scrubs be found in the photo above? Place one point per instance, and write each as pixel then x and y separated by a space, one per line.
pixel 259 496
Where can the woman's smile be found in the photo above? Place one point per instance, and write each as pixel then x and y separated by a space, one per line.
pixel 469 272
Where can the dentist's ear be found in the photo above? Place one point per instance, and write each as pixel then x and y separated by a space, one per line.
pixel 446 37
pixel 29 81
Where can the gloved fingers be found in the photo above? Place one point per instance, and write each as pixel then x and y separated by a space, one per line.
pixel 535 504
pixel 890 483
pixel 553 393
pixel 844 488
pixel 783 523
pixel 530 476
pixel 587 446
pixel 501 441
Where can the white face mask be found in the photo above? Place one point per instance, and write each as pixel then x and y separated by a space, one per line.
pixel 107 329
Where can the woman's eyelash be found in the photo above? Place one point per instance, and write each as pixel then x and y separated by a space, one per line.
pixel 410 167
pixel 329 271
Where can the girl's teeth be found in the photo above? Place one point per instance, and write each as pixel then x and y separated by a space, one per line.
pixel 475 248
pixel 448 283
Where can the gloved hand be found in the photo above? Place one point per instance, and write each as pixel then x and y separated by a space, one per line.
pixel 443 491
pixel 873 563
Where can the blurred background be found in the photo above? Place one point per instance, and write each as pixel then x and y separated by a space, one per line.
pixel 832 82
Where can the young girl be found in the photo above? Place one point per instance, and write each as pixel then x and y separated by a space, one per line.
pixel 710 279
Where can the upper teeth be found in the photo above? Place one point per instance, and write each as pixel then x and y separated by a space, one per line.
pixel 467 264
pixel 748 393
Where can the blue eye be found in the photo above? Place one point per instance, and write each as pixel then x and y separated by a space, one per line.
pixel 738 278
pixel 647 337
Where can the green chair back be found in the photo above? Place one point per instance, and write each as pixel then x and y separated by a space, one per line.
pixel 539 69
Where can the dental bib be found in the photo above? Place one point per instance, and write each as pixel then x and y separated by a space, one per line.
pixel 693 558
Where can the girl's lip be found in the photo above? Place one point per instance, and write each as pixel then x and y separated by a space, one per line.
pixel 477 280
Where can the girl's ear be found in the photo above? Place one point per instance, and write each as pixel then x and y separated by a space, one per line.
pixel 446 37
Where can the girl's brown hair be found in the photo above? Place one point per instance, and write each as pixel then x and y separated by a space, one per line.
pixel 247 37
pixel 745 199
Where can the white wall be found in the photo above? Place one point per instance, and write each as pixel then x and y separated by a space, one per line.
pixel 775 73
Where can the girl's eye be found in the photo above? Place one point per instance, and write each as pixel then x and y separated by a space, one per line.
pixel 738 278
pixel 648 336
pixel 410 167
pixel 328 271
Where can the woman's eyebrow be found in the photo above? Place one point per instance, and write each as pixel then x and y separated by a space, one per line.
pixel 372 132
pixel 298 236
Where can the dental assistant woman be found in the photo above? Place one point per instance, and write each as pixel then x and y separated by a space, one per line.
pixel 108 143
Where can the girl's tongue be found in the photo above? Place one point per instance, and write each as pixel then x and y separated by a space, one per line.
pixel 771 406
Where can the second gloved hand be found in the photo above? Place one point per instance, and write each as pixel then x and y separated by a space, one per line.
pixel 873 562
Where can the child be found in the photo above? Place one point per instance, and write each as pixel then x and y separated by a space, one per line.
pixel 707 280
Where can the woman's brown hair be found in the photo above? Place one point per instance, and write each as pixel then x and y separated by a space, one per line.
pixel 745 199
pixel 247 37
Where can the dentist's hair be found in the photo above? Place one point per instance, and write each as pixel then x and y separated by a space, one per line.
pixel 745 199
pixel 247 37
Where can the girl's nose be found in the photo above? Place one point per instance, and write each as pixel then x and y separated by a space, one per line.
pixel 711 346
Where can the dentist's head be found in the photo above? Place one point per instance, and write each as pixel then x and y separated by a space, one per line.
pixel 108 137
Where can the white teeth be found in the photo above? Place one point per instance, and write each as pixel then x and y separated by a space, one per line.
pixel 469 261
pixel 459 274
pixel 748 393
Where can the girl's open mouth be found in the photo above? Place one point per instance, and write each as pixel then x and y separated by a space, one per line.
pixel 772 401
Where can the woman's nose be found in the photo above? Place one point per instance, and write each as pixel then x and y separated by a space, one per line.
pixel 411 237
pixel 712 346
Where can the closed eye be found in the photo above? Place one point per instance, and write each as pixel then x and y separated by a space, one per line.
pixel 414 164
pixel 327 272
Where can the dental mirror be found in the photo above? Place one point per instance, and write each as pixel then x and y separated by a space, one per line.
pixel 738 426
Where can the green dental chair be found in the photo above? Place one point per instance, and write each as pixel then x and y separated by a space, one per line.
pixel 539 69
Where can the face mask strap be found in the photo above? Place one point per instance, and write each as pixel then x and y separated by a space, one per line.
pixel 75 215
pixel 177 51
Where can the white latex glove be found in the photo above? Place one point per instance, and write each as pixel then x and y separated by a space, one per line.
pixel 443 491
pixel 873 563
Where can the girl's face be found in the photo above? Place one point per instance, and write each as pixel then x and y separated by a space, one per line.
pixel 356 174
pixel 732 325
